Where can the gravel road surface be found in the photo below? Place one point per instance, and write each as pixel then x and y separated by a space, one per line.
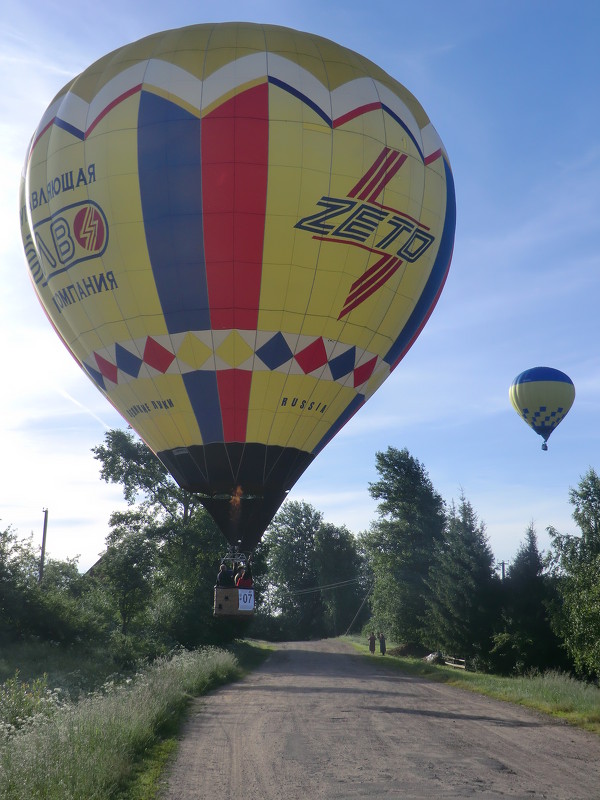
pixel 317 720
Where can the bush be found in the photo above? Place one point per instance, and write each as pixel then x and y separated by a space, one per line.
pixel 21 704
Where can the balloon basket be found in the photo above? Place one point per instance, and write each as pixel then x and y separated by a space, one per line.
pixel 233 602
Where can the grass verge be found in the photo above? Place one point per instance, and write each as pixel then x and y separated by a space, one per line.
pixel 148 770
pixel 553 693
pixel 114 742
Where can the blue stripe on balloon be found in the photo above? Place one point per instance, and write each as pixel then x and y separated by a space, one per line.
pixel 348 413
pixel 306 100
pixel 170 175
pixel 66 126
pixel 203 394
pixel 542 374
pixel 95 375
pixel 436 277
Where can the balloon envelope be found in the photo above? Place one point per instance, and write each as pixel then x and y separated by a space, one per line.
pixel 542 396
pixel 238 231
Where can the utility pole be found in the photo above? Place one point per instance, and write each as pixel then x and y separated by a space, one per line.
pixel 501 565
pixel 43 556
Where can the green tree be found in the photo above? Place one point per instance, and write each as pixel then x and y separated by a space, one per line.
pixel 69 607
pixel 187 563
pixel 128 566
pixel 315 572
pixel 575 564
pixel 127 461
pixel 400 545
pixel 167 542
pixel 290 545
pixel 461 604
pixel 63 608
pixel 526 640
pixel 341 569
pixel 19 569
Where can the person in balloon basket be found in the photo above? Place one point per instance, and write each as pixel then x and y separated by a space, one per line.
pixel 382 648
pixel 225 577
pixel 372 642
pixel 244 578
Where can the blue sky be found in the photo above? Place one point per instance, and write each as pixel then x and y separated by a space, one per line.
pixel 512 89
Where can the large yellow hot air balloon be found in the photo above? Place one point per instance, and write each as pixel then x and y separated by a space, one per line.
pixel 238 230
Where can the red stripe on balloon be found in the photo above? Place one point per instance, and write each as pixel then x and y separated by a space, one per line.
pixel 392 169
pixel 129 93
pixel 235 158
pixel 356 112
pixel 371 286
pixel 433 157
pixel 369 173
pixel 234 396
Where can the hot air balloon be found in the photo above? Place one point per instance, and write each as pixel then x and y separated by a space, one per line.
pixel 238 230
pixel 542 396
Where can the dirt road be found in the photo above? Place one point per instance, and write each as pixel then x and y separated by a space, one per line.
pixel 318 721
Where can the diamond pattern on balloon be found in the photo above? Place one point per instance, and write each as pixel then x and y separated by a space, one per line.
pixel 343 364
pixel 234 350
pixel 127 361
pixel 313 356
pixel 157 356
pixel 95 375
pixel 275 352
pixel 364 372
pixel 193 351
pixel 107 369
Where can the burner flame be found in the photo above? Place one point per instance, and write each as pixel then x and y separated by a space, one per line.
pixel 236 502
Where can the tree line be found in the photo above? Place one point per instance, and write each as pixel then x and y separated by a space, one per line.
pixel 423 573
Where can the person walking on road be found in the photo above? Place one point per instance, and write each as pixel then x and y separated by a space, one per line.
pixel 372 642
pixel 382 644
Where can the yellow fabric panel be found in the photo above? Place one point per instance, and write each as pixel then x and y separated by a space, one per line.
pixel 172 426
pixel 329 289
pixel 194 352
pixel 286 141
pixel 280 413
pixel 310 431
pixel 306 152
pixel 234 350
pixel 278 250
pixel 265 398
pixel 184 47
pixel 434 196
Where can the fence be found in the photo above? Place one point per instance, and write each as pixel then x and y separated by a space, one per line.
pixel 450 661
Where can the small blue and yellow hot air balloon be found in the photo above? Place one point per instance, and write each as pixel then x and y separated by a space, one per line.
pixel 542 396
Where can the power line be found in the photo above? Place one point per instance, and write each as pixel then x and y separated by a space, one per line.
pixel 320 588
pixel 360 608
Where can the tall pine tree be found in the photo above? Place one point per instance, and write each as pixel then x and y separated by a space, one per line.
pixel 526 640
pixel 400 545
pixel 461 603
